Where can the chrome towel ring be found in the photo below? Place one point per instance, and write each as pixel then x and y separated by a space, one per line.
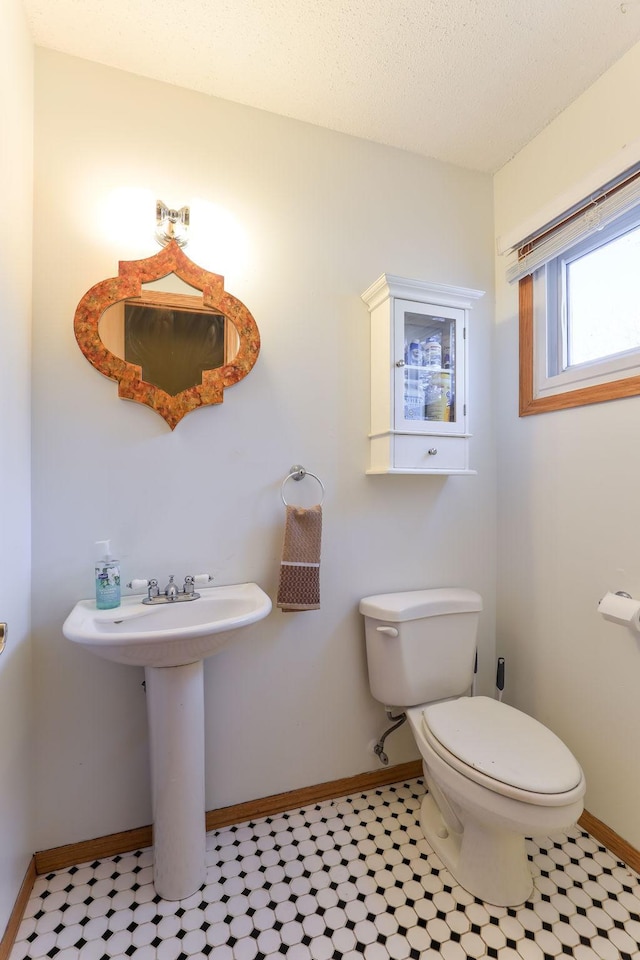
pixel 298 472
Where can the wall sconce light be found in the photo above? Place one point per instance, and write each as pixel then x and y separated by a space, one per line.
pixel 171 225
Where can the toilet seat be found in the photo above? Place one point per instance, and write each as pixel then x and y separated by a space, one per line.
pixel 503 749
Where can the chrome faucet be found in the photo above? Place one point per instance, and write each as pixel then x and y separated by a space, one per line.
pixel 171 593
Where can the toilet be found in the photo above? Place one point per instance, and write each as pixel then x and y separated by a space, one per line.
pixel 494 775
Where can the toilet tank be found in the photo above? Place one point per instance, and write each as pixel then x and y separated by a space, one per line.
pixel 421 644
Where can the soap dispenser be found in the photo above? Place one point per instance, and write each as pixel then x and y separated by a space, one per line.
pixel 107 579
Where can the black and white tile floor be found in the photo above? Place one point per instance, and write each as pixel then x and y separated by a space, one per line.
pixel 341 879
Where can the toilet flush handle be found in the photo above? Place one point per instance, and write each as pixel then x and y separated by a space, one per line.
pixel 388 631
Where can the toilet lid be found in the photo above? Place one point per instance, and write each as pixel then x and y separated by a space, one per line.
pixel 504 744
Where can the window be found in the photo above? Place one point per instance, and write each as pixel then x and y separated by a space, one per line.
pixel 580 304
pixel 602 280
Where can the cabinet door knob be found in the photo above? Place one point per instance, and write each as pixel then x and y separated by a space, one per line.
pixel 432 451
pixel 399 363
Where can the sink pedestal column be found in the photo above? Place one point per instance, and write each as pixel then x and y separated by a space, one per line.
pixel 175 709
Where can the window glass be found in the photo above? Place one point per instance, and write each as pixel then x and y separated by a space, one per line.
pixel 603 300
pixel 430 367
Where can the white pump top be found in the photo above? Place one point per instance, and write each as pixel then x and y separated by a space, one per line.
pixel 107 549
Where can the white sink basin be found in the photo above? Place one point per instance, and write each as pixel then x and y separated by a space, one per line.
pixel 169 634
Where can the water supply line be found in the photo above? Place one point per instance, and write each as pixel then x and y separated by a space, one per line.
pixel 378 748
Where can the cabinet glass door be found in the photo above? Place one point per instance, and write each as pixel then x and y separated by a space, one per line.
pixel 429 368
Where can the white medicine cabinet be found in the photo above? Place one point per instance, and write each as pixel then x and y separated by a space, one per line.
pixel 419 405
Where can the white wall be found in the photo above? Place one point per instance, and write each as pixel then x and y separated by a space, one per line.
pixel 16 177
pixel 324 215
pixel 568 495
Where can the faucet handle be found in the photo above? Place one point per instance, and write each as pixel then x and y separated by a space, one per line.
pixel 138 585
pixel 188 587
pixel 202 579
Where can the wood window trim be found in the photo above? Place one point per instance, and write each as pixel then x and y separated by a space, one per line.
pixel 529 403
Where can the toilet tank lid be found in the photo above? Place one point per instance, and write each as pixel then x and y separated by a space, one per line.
pixel 415 604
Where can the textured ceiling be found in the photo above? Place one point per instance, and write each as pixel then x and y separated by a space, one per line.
pixel 465 81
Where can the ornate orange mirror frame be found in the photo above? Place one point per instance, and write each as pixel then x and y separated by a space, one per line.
pixel 128 286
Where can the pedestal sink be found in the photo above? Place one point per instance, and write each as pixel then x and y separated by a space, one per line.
pixel 170 641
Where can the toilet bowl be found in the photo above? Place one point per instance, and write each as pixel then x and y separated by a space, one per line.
pixel 494 774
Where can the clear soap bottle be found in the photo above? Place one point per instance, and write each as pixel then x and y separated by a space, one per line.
pixel 107 579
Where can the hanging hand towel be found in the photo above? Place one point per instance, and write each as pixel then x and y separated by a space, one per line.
pixel 300 567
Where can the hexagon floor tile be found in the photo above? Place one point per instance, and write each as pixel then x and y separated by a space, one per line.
pixel 342 879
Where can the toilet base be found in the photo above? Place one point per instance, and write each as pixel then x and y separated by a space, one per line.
pixel 489 862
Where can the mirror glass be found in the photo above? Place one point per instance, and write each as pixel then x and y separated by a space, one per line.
pixel 170 334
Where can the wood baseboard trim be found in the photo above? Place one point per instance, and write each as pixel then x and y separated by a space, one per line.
pixel 58 858
pixel 293 799
pixel 19 907
pixel 611 840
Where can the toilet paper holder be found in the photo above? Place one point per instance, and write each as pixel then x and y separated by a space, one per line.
pixel 618 593
pixel 620 607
